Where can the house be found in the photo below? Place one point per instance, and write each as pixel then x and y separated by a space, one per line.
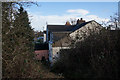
pixel 41 51
pixel 61 36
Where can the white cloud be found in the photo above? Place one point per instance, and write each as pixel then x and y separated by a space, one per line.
pixel 78 11
pixel 38 21
pixel 96 18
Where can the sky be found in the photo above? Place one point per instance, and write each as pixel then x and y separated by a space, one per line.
pixel 57 13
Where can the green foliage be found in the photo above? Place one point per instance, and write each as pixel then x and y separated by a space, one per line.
pixel 94 57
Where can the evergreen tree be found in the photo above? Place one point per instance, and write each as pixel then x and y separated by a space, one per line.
pixel 17 45
pixel 17 41
pixel 23 29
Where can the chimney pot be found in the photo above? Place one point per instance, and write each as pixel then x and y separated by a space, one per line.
pixel 67 23
pixel 80 21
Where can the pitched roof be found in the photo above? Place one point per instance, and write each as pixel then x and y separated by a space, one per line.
pixel 80 25
pixel 58 35
pixel 61 28
pixel 62 40
pixel 60 31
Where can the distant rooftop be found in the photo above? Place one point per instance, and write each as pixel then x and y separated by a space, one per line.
pixel 59 28
pixel 65 28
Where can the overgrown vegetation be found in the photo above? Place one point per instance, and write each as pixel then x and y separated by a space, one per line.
pixel 18 47
pixel 97 56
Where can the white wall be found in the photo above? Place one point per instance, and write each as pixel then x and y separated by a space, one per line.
pixel 56 50
pixel 85 30
pixel 44 38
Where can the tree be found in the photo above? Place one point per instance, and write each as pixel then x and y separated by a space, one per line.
pixel 17 41
pixel 17 44
pixel 73 21
pixel 113 22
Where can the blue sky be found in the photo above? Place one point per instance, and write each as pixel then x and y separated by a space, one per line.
pixel 60 12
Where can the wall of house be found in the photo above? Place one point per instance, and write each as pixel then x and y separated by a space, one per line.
pixel 56 53
pixel 50 52
pixel 85 30
pixel 41 53
pixel 47 35
pixel 56 50
pixel 51 37
pixel 44 38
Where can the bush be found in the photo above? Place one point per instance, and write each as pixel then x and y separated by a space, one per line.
pixel 95 57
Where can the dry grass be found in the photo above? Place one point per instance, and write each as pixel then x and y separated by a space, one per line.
pixel 24 67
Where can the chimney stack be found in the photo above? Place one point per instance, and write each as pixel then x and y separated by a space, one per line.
pixel 80 21
pixel 67 23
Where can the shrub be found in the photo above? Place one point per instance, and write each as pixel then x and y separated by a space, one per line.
pixel 95 57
